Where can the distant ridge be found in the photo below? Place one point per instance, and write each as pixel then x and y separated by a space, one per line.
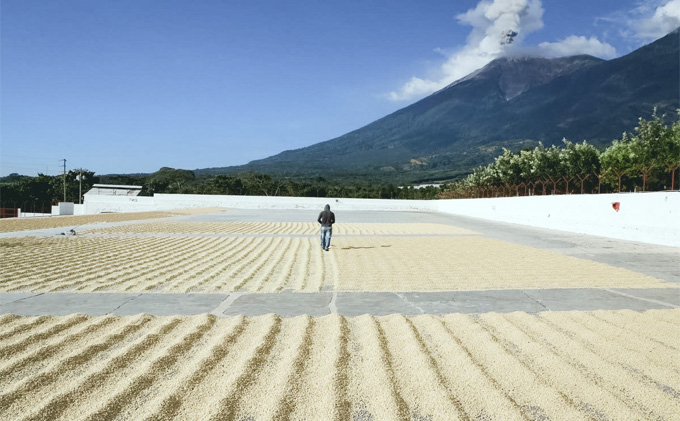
pixel 512 102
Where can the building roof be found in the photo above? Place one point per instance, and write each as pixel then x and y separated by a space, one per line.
pixel 114 190
pixel 116 186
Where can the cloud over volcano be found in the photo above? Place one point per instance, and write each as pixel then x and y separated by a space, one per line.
pixel 499 27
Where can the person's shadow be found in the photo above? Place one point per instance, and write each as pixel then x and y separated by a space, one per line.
pixel 353 247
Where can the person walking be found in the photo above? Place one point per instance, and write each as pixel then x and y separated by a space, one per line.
pixel 326 219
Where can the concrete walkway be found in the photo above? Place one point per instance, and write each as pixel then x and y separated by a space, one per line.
pixel 289 304
pixel 659 261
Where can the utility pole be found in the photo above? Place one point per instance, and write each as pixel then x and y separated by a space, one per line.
pixel 80 187
pixel 64 179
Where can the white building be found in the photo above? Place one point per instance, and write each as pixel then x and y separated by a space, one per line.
pixel 113 190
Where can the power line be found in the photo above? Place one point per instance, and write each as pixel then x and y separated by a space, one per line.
pixel 29 165
pixel 34 157
pixel 22 165
pixel 32 169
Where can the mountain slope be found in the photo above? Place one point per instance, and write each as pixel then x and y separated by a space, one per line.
pixel 512 102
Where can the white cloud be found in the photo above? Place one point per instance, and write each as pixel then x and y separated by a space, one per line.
pixel 498 26
pixel 574 45
pixel 414 88
pixel 665 18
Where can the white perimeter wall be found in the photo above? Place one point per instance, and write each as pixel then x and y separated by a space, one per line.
pixel 161 202
pixel 643 217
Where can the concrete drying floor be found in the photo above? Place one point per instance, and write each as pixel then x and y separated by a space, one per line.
pixel 239 315
pixel 651 273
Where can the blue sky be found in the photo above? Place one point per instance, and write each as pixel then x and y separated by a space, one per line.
pixel 130 86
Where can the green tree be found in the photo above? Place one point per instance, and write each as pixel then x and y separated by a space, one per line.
pixel 643 159
pixel 649 144
pixel 618 159
pixel 169 180
pixel 537 169
pixel 509 169
pixel 568 160
pixel 527 166
pixel 584 160
pixel 263 184
pixel 39 193
pixel 79 182
pixel 481 179
pixel 549 165
pixel 669 157
pixel 224 184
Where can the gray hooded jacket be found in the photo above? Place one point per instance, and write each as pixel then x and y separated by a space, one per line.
pixel 326 217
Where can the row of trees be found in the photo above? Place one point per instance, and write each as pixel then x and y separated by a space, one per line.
pixel 38 194
pixel 266 185
pixel 647 159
